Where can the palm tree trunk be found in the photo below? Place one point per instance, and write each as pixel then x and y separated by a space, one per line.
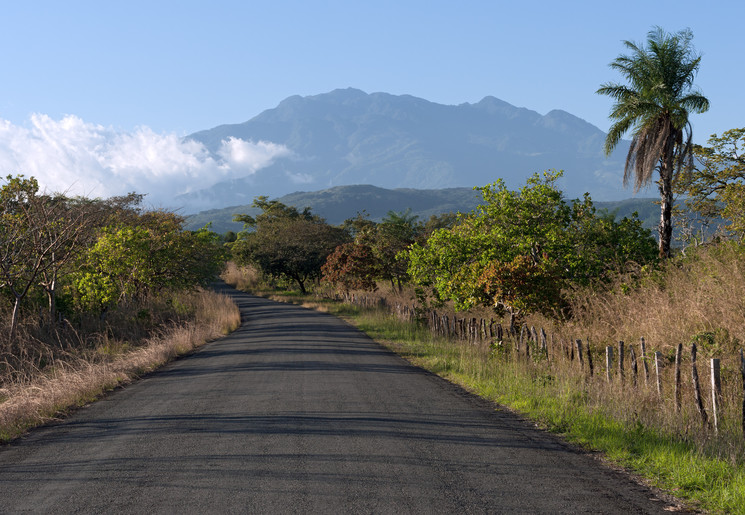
pixel 666 222
pixel 666 198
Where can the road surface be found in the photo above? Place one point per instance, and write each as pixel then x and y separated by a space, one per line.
pixel 298 412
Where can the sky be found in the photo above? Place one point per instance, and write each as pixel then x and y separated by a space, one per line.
pixel 95 97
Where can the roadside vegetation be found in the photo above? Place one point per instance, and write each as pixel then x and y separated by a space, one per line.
pixel 95 292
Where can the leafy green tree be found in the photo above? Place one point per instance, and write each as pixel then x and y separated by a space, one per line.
pixel 655 105
pixel 715 187
pixel 285 242
pixel 127 263
pixel 519 249
pixel 393 235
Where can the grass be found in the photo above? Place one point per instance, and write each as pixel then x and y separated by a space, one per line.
pixel 560 399
pixel 101 363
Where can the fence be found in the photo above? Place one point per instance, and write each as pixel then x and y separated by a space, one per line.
pixel 621 363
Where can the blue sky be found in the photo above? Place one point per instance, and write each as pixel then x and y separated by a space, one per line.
pixel 136 70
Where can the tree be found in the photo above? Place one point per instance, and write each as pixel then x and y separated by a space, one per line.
pixel 40 234
pixel 285 242
pixel 128 262
pixel 715 187
pixel 393 235
pixel 655 106
pixel 519 249
pixel 352 266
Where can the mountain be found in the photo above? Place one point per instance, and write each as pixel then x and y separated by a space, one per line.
pixel 343 202
pixel 347 137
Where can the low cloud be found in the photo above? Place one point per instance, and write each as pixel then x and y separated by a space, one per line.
pixel 81 158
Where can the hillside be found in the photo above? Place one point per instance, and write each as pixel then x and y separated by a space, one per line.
pixel 342 202
pixel 348 137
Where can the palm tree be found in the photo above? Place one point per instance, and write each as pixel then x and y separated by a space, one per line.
pixel 655 105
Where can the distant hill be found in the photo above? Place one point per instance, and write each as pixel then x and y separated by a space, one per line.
pixel 348 137
pixel 342 202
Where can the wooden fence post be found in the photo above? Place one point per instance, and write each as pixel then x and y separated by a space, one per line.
pixel 544 343
pixel 620 358
pixel 523 329
pixel 658 370
pixel 634 370
pixel 513 331
pixel 697 387
pixel 644 362
pixel 678 359
pixel 716 392
pixel 609 363
pixel 570 354
pixel 579 354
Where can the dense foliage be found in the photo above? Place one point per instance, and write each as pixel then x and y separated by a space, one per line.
pixel 520 249
pixel 378 250
pixel 284 242
pixel 715 186
pixel 91 255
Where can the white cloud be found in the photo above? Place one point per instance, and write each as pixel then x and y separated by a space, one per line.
pixel 82 158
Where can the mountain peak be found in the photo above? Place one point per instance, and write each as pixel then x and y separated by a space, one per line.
pixel 347 136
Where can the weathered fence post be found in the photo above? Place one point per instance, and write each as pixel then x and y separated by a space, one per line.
pixel 678 359
pixel 544 343
pixel 579 354
pixel 609 363
pixel 513 331
pixel 697 387
pixel 644 362
pixel 520 342
pixel 634 370
pixel 658 370
pixel 621 353
pixel 570 354
pixel 716 392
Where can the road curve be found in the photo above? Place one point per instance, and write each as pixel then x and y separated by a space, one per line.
pixel 298 412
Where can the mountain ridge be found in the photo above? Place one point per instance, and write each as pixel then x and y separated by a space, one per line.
pixel 343 202
pixel 348 136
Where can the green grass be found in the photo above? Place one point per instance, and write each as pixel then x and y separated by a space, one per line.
pixel 559 402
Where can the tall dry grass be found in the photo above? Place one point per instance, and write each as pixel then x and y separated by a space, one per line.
pixel 698 298
pixel 66 373
pixel 242 278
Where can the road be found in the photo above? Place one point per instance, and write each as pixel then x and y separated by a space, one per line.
pixel 298 412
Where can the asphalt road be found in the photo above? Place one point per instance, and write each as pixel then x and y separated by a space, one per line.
pixel 298 412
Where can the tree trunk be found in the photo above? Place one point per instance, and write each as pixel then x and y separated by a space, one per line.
pixel 14 318
pixel 51 290
pixel 666 197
